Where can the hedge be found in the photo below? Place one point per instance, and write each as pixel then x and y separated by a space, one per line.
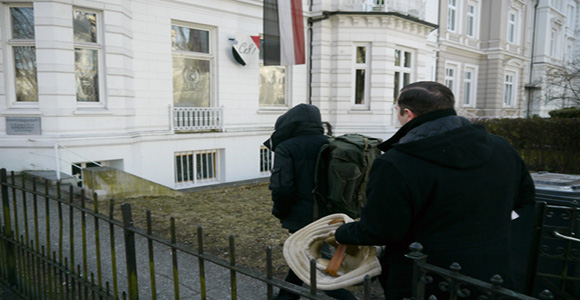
pixel 551 145
pixel 569 112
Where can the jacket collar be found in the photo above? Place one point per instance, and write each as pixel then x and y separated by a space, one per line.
pixel 388 144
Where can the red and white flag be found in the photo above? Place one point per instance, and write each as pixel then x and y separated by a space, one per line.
pixel 283 43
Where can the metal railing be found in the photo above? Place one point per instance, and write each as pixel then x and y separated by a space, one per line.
pixel 53 246
pixel 186 119
pixel 455 285
pixel 555 257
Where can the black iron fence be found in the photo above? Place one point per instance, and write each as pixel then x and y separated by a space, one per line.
pixel 555 251
pixel 53 246
pixel 451 284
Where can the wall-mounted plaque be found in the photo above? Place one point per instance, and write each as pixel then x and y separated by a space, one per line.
pixel 23 125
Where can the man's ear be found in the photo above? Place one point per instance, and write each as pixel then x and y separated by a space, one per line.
pixel 410 113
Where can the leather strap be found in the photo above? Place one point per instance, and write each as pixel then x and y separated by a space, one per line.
pixel 338 257
pixel 336 261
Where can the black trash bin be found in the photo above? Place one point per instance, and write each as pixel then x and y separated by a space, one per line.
pixel 551 241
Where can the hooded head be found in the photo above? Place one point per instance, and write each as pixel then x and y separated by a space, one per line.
pixel 302 119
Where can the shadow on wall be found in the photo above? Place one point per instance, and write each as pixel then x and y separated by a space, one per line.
pixel 112 183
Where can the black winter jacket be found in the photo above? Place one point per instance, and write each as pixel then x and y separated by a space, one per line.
pixel 296 142
pixel 449 185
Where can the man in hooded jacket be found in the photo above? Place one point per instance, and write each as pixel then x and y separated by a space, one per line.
pixel 296 141
pixel 445 183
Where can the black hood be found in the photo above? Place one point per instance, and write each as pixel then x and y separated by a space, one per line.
pixel 445 139
pixel 302 119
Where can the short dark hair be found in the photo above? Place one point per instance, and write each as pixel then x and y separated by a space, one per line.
pixel 424 97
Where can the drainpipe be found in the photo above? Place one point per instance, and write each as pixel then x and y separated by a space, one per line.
pixel 530 86
pixel 311 20
pixel 438 41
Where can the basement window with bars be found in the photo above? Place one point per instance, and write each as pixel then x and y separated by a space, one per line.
pixel 266 160
pixel 196 167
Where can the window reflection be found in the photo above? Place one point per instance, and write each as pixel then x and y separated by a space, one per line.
pixel 85 27
pixel 191 82
pixel 22 23
pixel 24 54
pixel 25 74
pixel 360 87
pixel 272 85
pixel 87 75
pixel 87 55
pixel 190 39
pixel 361 55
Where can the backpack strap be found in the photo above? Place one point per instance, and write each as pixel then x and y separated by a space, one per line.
pixel 320 179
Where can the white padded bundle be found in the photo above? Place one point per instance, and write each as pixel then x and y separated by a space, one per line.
pixel 306 244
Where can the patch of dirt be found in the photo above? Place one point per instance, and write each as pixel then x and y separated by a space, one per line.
pixel 241 211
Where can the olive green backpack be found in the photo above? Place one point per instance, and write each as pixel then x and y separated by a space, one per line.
pixel 341 174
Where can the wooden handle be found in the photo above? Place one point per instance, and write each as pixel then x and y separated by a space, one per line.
pixel 337 220
pixel 336 261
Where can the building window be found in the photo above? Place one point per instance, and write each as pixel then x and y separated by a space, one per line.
pixel 192 66
pixel 87 55
pixel 508 93
pixel 266 161
pixel 22 48
pixel 273 83
pixel 512 27
pixel 403 71
pixel 77 169
pixel 195 167
pixel 450 73
pixel 571 16
pixel 452 15
pixel 554 43
pixel 471 20
pixel 361 70
pixel 469 84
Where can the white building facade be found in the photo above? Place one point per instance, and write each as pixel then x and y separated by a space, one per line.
pixel 555 55
pixel 152 87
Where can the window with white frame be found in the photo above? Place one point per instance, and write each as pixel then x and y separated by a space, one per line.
pixel 512 27
pixel 569 52
pixel 471 20
pixel 552 42
pixel 192 65
pixel 469 86
pixel 508 92
pixel 195 167
pixel 571 16
pixel 21 48
pixel 273 84
pixel 266 160
pixel 555 43
pixel 87 43
pixel 452 15
pixel 450 77
pixel 403 71
pixel 361 75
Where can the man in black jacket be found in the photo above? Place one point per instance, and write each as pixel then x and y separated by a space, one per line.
pixel 445 183
pixel 296 141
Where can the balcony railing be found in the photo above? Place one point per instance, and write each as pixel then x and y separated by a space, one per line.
pixel 186 119
pixel 413 8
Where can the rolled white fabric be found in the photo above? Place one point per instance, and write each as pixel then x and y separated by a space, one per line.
pixel 306 244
